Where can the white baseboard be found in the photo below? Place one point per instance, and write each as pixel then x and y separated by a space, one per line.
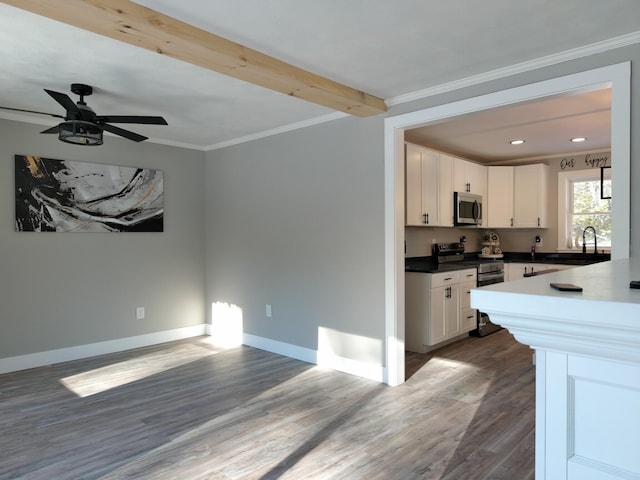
pixel 40 359
pixel 346 365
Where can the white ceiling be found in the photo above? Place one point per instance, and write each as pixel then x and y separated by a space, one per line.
pixel 547 127
pixel 387 49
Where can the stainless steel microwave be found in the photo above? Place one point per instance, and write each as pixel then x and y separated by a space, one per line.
pixel 467 209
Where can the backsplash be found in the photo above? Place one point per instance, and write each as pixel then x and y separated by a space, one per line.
pixel 419 240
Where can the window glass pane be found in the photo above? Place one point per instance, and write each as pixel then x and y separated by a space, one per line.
pixel 586 197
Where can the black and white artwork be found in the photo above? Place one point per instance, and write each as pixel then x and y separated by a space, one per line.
pixel 69 196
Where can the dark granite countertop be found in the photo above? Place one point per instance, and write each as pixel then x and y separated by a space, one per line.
pixel 428 264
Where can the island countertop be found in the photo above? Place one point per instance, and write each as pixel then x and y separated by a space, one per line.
pixel 606 296
pixel 587 355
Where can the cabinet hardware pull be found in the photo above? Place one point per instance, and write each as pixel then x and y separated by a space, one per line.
pixel 512 221
pixel 448 278
pixel 424 219
pixel 538 221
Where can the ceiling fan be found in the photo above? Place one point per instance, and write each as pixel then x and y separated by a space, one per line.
pixel 82 126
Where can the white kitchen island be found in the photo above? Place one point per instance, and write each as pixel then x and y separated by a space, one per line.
pixel 587 348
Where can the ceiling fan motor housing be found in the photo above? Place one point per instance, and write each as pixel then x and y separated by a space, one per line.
pixel 81 89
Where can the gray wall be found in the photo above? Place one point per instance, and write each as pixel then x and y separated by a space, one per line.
pixel 67 289
pixel 297 221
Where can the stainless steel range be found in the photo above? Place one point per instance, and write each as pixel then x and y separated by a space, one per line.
pixel 490 271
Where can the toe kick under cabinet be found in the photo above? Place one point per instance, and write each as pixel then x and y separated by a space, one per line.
pixel 437 308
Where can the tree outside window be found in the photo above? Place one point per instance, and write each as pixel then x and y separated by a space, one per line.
pixel 588 208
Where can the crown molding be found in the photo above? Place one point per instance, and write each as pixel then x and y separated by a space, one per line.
pixel 275 131
pixel 549 60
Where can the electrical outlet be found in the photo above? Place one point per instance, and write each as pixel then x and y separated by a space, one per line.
pixel 538 240
pixel 139 313
pixel 268 310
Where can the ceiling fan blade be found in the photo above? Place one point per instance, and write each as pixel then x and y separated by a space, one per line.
pixel 51 130
pixel 123 133
pixel 64 100
pixel 131 119
pixel 31 111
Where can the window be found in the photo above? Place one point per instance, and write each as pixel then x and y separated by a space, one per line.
pixel 580 204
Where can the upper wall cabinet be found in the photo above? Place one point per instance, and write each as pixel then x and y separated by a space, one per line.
pixel 469 177
pixel 429 191
pixel 530 196
pixel 499 201
pixel 517 196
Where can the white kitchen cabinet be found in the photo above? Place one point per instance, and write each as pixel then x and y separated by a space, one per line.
pixel 469 177
pixel 499 201
pixel 435 307
pixel 530 196
pixel 517 196
pixel 429 191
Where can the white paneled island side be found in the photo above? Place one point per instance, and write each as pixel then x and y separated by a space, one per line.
pixel 587 356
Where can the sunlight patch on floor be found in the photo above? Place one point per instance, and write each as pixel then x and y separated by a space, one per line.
pixel 111 376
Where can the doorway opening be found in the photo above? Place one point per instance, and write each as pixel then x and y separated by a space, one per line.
pixel 616 77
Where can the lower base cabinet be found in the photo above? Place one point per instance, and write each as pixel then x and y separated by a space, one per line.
pixel 437 308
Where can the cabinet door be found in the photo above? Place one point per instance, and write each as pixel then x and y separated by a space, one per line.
pixel 530 196
pixel 460 182
pixel 477 178
pixel 452 312
pixel 445 191
pixel 499 203
pixel 428 188
pixel 469 177
pixel 413 185
pixel 444 313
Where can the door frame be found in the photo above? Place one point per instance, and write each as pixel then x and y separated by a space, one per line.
pixel 617 77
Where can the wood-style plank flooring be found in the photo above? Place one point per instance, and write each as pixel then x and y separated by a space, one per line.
pixel 188 410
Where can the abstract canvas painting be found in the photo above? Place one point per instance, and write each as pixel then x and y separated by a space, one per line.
pixel 70 196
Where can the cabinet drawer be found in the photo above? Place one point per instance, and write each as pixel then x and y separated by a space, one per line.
pixel 468 320
pixel 442 279
pixel 469 275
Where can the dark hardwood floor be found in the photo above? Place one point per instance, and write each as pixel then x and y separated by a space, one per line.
pixel 188 410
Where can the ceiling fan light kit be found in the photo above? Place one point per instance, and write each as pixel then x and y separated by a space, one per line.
pixel 79 132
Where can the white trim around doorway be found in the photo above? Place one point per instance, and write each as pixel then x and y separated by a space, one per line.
pixel 617 77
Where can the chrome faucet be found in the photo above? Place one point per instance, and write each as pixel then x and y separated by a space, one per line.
pixel 584 242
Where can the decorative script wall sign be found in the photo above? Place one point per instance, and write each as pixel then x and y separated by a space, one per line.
pixel 68 196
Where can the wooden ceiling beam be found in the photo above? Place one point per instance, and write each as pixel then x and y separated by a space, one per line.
pixel 140 26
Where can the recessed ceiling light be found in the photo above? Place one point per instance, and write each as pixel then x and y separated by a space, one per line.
pixel 516 142
pixel 578 139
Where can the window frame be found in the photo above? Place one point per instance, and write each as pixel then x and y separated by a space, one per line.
pixel 565 179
